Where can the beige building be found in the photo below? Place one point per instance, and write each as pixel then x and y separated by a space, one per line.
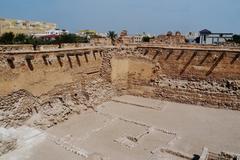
pixel 127 39
pixel 24 26
pixel 137 39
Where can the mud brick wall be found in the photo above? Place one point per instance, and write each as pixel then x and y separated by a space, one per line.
pixel 209 77
pixel 45 88
pixel 39 72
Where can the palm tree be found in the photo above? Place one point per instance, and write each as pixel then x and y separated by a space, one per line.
pixel 112 35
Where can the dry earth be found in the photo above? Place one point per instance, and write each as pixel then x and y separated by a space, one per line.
pixel 131 128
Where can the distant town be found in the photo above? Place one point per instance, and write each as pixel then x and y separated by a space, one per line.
pixel 13 31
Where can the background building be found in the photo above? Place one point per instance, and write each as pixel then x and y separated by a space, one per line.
pixel 192 37
pixel 87 32
pixel 124 38
pixel 207 37
pixel 57 32
pixel 137 38
pixel 24 26
pixel 124 33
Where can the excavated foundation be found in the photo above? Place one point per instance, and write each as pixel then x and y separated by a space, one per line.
pixel 41 90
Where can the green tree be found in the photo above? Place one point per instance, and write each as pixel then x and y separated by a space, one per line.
pixel 236 38
pixel 7 38
pixel 82 39
pixel 20 38
pixel 10 38
pixel 112 35
pixel 67 38
pixel 34 41
pixel 146 39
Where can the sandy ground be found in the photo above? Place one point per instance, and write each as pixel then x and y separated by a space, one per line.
pixel 134 128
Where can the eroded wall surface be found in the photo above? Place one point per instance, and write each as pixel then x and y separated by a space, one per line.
pixel 44 88
pixel 209 77
pixel 39 72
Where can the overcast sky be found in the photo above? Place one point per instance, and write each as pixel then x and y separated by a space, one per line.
pixel 137 16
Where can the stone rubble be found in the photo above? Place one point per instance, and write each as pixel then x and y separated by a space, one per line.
pixel 43 112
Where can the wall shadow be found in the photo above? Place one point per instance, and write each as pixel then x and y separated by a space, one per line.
pixel 157 53
pixel 29 59
pixel 145 52
pixel 45 59
pixel 78 60
pixel 219 59
pixel 235 58
pixel 94 55
pixel 86 58
pixel 188 63
pixel 205 58
pixel 101 53
pixel 169 54
pixel 59 58
pixel 10 61
pixel 180 55
pixel 69 61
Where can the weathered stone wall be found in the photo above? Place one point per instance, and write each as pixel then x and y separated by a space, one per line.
pixel 21 107
pixel 169 39
pixel 44 88
pixel 197 76
pixel 39 72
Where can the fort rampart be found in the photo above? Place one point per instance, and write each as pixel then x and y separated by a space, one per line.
pixel 205 75
pixel 208 76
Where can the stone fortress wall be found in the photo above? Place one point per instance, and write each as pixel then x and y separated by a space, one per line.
pixel 42 85
pixel 39 72
pixel 43 88
pixel 205 76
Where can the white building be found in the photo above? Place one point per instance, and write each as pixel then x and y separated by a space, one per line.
pixel 137 38
pixel 56 32
pixel 191 37
pixel 207 37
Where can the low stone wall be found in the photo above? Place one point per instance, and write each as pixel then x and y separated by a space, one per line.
pixel 63 46
pixel 29 47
